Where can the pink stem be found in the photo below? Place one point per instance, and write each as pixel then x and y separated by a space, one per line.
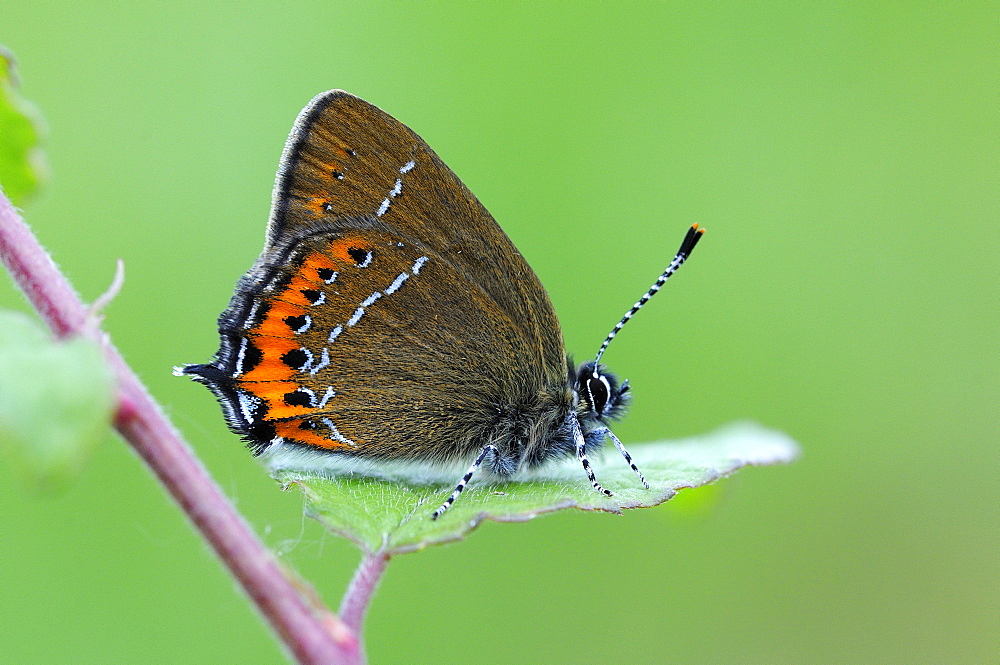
pixel 359 593
pixel 312 634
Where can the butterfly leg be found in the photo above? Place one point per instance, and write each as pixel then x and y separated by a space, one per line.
pixel 581 453
pixel 489 448
pixel 604 431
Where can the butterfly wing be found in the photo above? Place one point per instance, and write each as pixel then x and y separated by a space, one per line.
pixel 389 315
pixel 347 159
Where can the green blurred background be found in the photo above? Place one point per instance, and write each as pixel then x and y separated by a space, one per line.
pixel 844 159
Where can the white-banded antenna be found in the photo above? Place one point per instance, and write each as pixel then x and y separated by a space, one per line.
pixel 690 240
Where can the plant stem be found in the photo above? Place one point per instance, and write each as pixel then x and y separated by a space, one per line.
pixel 313 635
pixel 359 593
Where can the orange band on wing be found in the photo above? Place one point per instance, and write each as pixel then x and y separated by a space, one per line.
pixel 291 430
pixel 271 366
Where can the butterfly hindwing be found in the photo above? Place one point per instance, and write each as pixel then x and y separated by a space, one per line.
pixel 343 346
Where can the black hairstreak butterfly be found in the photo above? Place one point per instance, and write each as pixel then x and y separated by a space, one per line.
pixel 390 321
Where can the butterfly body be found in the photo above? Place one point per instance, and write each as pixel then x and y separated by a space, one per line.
pixel 389 318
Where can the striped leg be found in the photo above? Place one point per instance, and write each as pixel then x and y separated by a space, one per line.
pixel 581 452
pixel 465 480
pixel 621 449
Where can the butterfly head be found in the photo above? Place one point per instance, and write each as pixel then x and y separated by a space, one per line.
pixel 600 392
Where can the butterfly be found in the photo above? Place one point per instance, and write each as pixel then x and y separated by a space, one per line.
pixel 390 321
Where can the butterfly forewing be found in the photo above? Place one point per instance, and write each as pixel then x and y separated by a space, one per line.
pixel 347 161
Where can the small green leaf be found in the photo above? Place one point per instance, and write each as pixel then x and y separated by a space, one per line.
pixel 395 517
pixel 22 163
pixel 56 400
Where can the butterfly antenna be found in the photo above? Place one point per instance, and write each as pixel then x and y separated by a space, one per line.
pixel 690 240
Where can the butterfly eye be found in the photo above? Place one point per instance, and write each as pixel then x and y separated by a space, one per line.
pixel 598 393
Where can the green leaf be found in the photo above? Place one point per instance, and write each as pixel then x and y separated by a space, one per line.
pixel 22 163
pixel 395 517
pixel 56 400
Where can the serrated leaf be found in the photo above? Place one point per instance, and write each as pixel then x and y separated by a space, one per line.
pixel 395 517
pixel 22 163
pixel 56 400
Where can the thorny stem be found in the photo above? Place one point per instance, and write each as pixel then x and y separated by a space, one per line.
pixel 312 634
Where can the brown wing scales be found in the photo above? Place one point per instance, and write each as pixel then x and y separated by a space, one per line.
pixel 387 175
